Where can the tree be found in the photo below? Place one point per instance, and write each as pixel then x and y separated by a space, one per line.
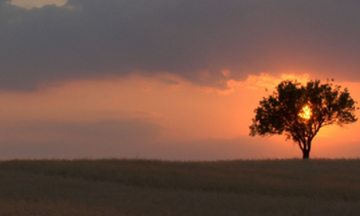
pixel 299 111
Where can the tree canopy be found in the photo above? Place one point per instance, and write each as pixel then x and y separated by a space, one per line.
pixel 299 111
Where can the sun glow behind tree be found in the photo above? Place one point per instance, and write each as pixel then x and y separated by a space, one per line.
pixel 278 113
pixel 305 112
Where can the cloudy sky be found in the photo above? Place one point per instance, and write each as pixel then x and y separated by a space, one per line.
pixel 166 79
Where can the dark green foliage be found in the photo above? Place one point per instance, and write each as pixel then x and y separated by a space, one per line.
pixel 279 112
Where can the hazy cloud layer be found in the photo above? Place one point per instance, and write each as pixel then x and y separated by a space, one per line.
pixel 147 148
pixel 193 39
pixel 136 138
pixel 121 138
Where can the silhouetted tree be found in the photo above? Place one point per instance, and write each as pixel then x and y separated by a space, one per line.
pixel 299 111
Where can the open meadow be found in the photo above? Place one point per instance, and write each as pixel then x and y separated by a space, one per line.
pixel 150 187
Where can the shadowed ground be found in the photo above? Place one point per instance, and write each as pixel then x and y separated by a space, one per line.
pixel 144 187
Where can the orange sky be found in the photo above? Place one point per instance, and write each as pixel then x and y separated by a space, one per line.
pixel 37 3
pixel 175 117
pixel 175 80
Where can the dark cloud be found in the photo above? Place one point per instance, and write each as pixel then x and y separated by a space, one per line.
pixel 93 38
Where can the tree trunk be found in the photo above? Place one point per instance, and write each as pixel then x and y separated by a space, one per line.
pixel 305 146
pixel 306 153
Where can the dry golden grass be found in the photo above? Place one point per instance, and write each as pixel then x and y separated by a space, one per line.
pixel 149 187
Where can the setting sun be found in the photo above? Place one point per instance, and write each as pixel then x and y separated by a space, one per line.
pixel 162 94
pixel 306 112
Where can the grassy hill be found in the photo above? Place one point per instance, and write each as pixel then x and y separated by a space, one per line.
pixel 149 187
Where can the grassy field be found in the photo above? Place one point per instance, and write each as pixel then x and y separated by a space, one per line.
pixel 148 187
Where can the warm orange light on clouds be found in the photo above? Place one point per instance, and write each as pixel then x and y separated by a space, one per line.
pixel 92 78
pixel 28 4
pixel 179 106
pixel 158 114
